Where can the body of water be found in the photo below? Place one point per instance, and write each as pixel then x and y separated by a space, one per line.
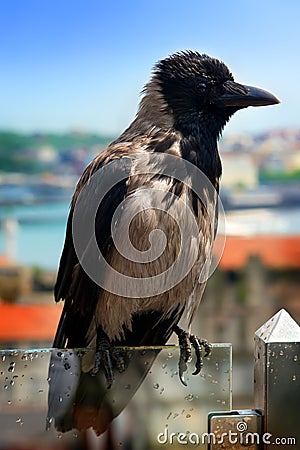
pixel 39 234
pixel 40 230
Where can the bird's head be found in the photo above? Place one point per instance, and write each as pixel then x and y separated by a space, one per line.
pixel 189 88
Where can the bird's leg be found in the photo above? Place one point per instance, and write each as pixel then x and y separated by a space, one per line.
pixel 198 344
pixel 105 354
pixel 102 357
pixel 186 342
pixel 185 351
pixel 118 358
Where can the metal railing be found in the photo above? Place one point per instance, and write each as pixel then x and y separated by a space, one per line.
pixel 162 413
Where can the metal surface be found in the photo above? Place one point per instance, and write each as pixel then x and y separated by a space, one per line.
pixel 162 414
pixel 238 430
pixel 277 380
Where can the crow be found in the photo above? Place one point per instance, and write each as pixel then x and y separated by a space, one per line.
pixel 144 182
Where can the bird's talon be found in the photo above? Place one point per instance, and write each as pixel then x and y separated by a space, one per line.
pixel 207 347
pixel 182 369
pixel 196 343
pixel 119 360
pixel 94 371
pixel 107 366
pixel 186 341
pixel 103 358
pixel 97 363
pixel 198 370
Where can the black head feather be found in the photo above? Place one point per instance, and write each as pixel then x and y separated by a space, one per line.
pixel 191 65
pixel 189 83
pixel 194 94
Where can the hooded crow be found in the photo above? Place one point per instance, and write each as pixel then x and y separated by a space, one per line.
pixel 139 207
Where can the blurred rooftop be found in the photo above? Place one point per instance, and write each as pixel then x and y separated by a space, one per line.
pixel 273 251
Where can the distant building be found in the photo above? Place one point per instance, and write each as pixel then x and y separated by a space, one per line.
pixel 293 162
pixel 239 170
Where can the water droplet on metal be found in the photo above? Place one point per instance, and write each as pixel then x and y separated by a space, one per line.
pixel 156 385
pixel 49 421
pixel 170 355
pixel 164 365
pixel 281 352
pixel 5 386
pixel 60 399
pixel 9 402
pixel 296 358
pixel 189 397
pixel 188 416
pixel 11 367
pixel 67 366
pixel 294 377
pixel 3 357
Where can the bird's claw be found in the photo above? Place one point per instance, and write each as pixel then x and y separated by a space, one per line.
pixel 105 355
pixel 198 344
pixel 103 360
pixel 185 353
pixel 119 359
pixel 182 368
pixel 186 342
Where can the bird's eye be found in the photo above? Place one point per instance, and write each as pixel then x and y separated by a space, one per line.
pixel 201 86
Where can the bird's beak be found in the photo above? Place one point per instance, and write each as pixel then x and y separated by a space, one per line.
pixel 240 96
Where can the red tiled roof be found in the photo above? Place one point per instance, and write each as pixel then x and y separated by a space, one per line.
pixel 274 251
pixel 20 322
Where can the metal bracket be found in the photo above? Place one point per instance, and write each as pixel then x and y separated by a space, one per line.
pixel 236 430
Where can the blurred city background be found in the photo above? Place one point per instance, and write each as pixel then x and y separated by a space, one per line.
pixel 71 74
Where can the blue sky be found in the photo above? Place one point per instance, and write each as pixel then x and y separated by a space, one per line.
pixel 81 64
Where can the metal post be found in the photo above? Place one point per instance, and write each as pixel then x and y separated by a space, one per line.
pixel 277 381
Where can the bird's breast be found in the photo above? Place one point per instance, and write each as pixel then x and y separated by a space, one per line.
pixel 161 246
